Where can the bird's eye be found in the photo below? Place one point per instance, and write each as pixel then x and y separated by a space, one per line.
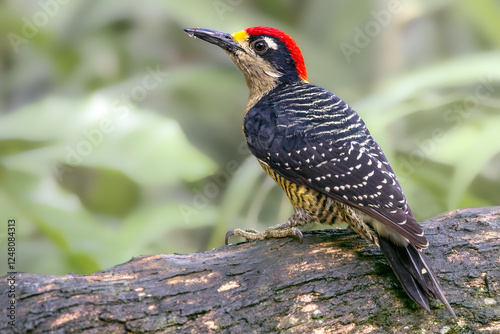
pixel 260 46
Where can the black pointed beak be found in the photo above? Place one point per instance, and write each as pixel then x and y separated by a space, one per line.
pixel 221 39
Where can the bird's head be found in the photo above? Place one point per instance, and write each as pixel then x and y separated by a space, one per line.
pixel 266 56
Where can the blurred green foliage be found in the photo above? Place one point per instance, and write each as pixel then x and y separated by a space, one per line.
pixel 121 136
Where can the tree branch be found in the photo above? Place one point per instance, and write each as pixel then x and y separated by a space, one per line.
pixel 332 283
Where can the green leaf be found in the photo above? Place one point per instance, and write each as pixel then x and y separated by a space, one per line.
pixel 149 148
pixel 101 190
pixel 478 155
pixel 15 146
pixel 467 70
pixel 238 193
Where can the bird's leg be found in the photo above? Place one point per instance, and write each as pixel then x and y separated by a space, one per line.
pixel 278 231
pixel 286 229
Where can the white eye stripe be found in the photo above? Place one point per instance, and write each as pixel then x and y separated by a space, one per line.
pixel 270 43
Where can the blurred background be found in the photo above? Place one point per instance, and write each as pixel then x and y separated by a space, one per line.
pixel 121 136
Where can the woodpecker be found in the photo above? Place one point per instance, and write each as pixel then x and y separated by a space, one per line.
pixel 318 149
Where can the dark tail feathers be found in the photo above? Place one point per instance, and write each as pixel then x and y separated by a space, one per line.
pixel 415 274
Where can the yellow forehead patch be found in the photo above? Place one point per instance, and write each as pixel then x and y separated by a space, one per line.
pixel 240 36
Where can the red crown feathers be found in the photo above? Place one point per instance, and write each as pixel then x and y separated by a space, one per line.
pixel 289 42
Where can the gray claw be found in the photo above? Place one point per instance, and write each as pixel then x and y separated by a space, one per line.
pixel 299 235
pixel 228 235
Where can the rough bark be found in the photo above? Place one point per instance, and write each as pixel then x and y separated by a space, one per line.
pixel 332 283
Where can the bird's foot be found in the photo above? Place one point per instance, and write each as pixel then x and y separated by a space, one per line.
pixel 271 232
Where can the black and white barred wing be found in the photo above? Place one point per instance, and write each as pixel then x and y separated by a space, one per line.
pixel 355 175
